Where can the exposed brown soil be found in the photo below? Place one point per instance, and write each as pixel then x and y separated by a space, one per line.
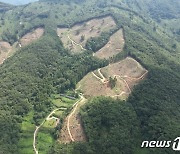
pixel 113 47
pixel 72 38
pixel 5 50
pixel 32 36
pixel 72 130
pixel 127 67
pixel 128 73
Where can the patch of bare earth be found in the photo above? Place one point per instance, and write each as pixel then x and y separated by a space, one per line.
pixel 76 37
pixel 128 73
pixel 72 130
pixel 32 36
pixel 113 47
pixel 5 50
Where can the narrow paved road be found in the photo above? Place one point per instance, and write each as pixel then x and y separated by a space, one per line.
pixel 38 127
pixel 35 134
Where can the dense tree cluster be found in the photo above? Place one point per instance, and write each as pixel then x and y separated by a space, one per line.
pixel 96 43
pixel 31 76
pixel 111 126
pixel 112 82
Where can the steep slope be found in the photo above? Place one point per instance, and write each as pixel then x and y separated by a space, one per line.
pixel 30 77
pixel 166 12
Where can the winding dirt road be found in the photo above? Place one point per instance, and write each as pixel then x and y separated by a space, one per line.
pixel 82 99
pixel 74 43
pixel 104 80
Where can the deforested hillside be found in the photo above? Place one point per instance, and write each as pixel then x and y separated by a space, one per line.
pixel 89 77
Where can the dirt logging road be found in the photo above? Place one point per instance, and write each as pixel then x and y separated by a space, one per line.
pixel 74 43
pixel 51 117
pixel 75 106
pixel 123 78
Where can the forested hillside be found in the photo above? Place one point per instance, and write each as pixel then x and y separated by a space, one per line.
pixel 165 12
pixel 30 77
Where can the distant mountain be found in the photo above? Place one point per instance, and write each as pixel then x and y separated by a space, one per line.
pixel 5 7
pixel 18 2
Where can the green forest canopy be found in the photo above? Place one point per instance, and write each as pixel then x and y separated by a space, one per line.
pixel 28 78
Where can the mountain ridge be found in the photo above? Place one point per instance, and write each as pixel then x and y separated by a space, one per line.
pixel 34 77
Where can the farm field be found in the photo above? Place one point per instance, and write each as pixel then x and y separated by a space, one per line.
pixel 44 135
pixel 76 37
pixel 27 127
pixel 81 77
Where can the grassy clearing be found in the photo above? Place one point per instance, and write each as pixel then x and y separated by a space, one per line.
pixel 127 67
pixel 60 101
pixel 74 126
pixel 50 124
pixel 58 114
pixel 44 141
